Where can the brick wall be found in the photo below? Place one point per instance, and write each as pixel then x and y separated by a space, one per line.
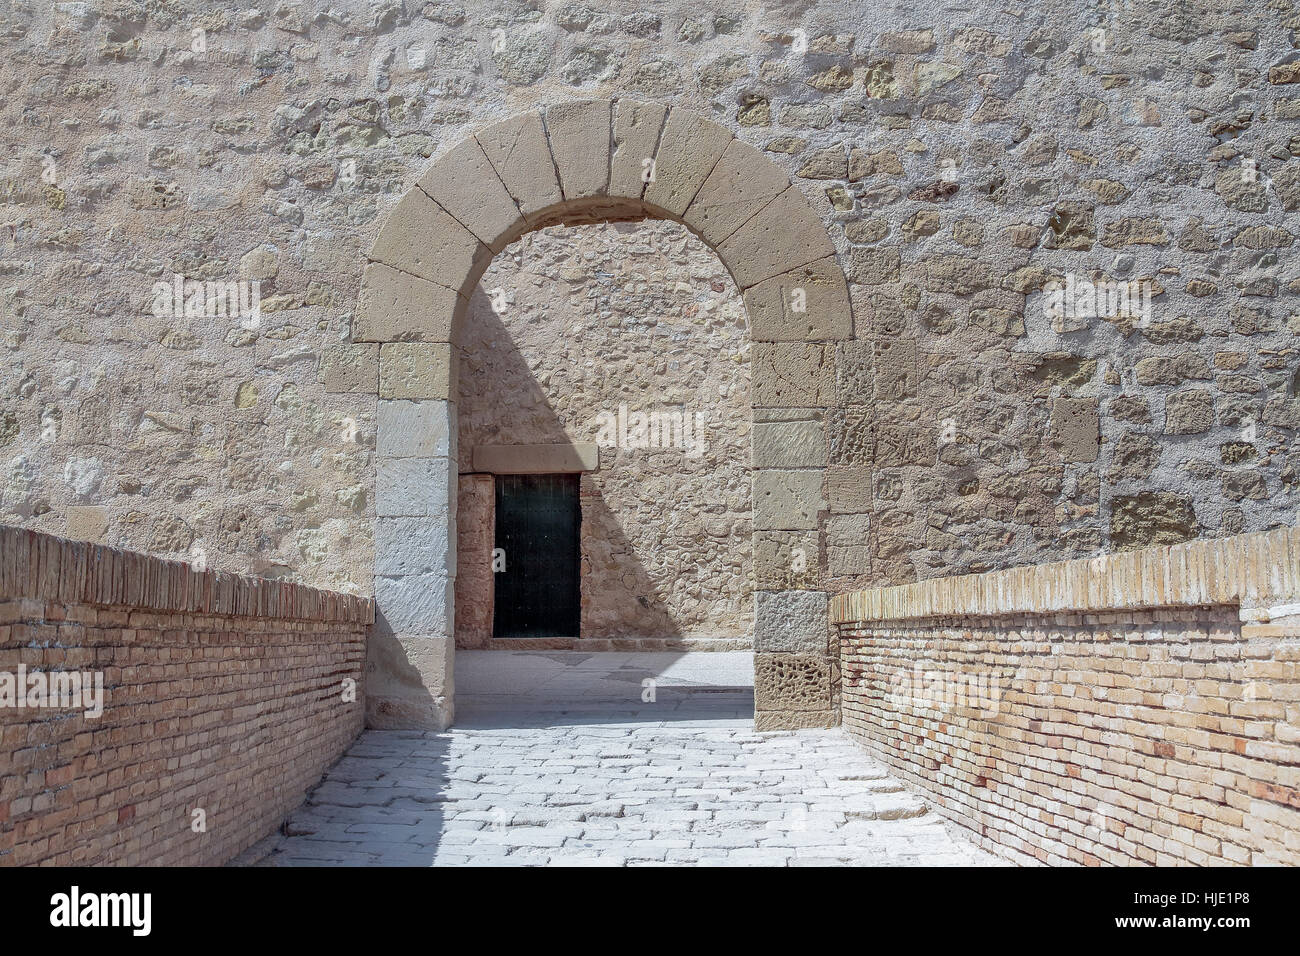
pixel 1164 729
pixel 220 693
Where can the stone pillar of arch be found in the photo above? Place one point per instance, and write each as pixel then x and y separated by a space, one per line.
pixel 580 162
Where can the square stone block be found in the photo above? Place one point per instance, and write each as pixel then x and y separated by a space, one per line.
pixel 848 488
pixel 636 134
pixel 410 429
pixel 793 374
pixel 844 560
pixel 807 304
pixel 848 546
pixel 399 307
pixel 464 183
pixel 741 184
pixel 787 234
pixel 787 500
pixel 793 622
pixel 414 604
pixel 854 373
pixel 409 681
pixel 892 445
pixel 895 369
pixel 847 529
pixel 791 682
pixel 1076 429
pixel 786 561
pixel 579 134
pixel 422 238
pixel 405 546
pixel 790 444
pixel 688 150
pixel 518 150
pixel 1189 412
pixel 348 369
pixel 852 435
pixel 416 370
pixel 413 487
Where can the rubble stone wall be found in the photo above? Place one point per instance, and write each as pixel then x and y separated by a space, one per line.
pixel 960 163
pixel 989 180
pixel 576 331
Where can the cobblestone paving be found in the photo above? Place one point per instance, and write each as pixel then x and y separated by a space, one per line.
pixel 684 780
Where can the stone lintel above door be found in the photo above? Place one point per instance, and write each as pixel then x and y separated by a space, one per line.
pixel 536 459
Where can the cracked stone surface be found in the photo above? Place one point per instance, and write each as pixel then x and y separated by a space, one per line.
pixel 563 763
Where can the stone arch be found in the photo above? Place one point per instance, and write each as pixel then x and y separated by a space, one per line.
pixel 573 163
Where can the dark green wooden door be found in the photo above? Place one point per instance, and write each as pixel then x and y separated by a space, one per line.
pixel 537 522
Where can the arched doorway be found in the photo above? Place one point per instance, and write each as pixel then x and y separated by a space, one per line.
pixel 572 163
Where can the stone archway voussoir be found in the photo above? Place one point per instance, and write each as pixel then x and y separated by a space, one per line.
pixel 773 305
pixel 425 240
pixel 636 136
pixel 466 185
pixel 399 307
pixel 579 136
pixel 742 183
pixel 787 234
pixel 521 157
pixel 688 150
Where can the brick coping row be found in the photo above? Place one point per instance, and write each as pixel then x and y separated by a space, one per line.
pixel 1258 572
pixel 39 566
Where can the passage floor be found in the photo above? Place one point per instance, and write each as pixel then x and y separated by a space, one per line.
pixel 568 757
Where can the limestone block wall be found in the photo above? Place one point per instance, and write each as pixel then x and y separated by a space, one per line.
pixel 1137 709
pixel 576 333
pixel 222 700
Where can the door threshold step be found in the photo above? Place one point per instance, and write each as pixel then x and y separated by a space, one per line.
pixel 634 644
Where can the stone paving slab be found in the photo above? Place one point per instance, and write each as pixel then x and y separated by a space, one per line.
pixel 679 793
pixel 556 759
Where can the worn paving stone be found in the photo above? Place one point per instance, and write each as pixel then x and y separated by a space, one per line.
pixel 683 781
